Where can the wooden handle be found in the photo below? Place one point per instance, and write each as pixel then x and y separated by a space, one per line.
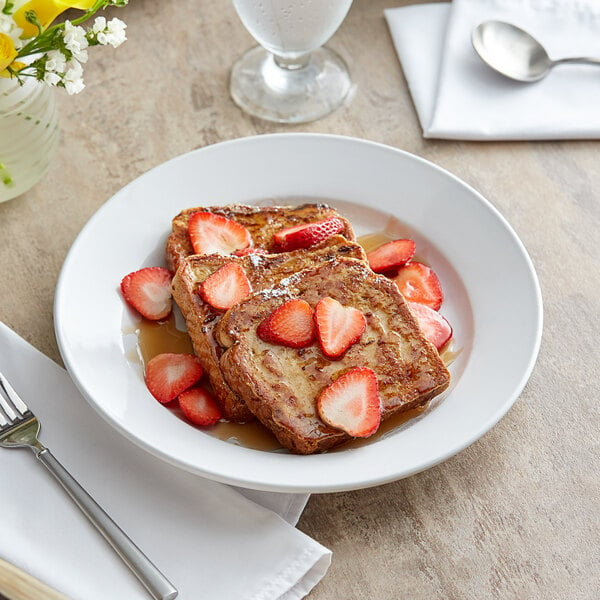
pixel 18 585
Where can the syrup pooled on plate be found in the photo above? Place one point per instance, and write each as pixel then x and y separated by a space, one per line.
pixel 370 241
pixel 252 435
pixel 448 353
pixel 156 337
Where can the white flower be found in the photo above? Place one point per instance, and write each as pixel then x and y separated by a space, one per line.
pixel 117 28
pixel 56 61
pixel 74 70
pixel 52 78
pixel 74 87
pixel 6 23
pixel 75 41
pixel 99 24
pixel 112 33
pixel 73 77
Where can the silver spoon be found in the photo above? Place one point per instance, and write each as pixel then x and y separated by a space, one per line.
pixel 514 53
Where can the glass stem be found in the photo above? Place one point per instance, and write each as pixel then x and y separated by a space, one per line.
pixel 292 62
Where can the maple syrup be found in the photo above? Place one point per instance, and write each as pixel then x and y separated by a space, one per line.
pixel 370 241
pixel 449 353
pixel 156 337
pixel 252 435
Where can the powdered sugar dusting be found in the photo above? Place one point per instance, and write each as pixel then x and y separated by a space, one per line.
pixel 291 280
pixel 281 289
pixel 274 292
pixel 255 259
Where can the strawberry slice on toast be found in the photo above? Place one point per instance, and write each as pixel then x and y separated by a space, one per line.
pixel 215 234
pixel 351 403
pixel 309 234
pixel 149 292
pixel 338 326
pixel 290 324
pixel 391 255
pixel 225 287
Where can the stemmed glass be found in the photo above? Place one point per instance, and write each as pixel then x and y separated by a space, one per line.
pixel 290 77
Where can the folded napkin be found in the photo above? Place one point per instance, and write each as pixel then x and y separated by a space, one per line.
pixel 210 540
pixel 457 96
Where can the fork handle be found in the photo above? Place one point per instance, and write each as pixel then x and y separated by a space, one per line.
pixel 153 580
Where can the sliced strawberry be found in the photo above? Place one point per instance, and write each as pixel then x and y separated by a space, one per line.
pixel 199 407
pixel 433 326
pixel 215 234
pixel 391 255
pixel 418 283
pixel 250 250
pixel 290 324
pixel 309 234
pixel 149 292
pixel 168 374
pixel 338 326
pixel 352 403
pixel 225 287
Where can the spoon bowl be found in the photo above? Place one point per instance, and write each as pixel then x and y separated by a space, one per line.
pixel 511 51
pixel 514 53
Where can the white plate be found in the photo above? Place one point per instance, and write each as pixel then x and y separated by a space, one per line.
pixel 492 300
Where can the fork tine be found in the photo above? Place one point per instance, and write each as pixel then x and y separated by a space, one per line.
pixel 6 408
pixel 18 404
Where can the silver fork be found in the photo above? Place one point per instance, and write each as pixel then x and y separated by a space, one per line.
pixel 19 428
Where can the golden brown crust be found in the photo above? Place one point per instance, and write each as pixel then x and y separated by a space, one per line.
pixel 280 385
pixel 261 221
pixel 262 271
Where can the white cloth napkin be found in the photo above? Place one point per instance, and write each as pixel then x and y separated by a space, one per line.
pixel 209 539
pixel 457 96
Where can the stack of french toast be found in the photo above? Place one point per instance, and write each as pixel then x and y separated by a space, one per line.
pixel 292 326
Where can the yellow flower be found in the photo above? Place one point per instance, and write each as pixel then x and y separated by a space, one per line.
pixel 46 11
pixel 7 53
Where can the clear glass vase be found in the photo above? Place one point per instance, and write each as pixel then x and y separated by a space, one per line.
pixel 29 134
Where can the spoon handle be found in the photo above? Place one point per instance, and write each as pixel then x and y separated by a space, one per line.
pixel 587 60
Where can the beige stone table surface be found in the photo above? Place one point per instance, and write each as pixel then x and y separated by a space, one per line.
pixel 516 515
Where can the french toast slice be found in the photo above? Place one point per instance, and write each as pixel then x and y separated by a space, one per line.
pixel 280 385
pixel 263 271
pixel 261 221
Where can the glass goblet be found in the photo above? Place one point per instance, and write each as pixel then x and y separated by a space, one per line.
pixel 290 77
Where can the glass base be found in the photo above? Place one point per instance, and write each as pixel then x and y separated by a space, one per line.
pixel 263 89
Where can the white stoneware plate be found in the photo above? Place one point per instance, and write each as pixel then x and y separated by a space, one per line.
pixel 492 299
